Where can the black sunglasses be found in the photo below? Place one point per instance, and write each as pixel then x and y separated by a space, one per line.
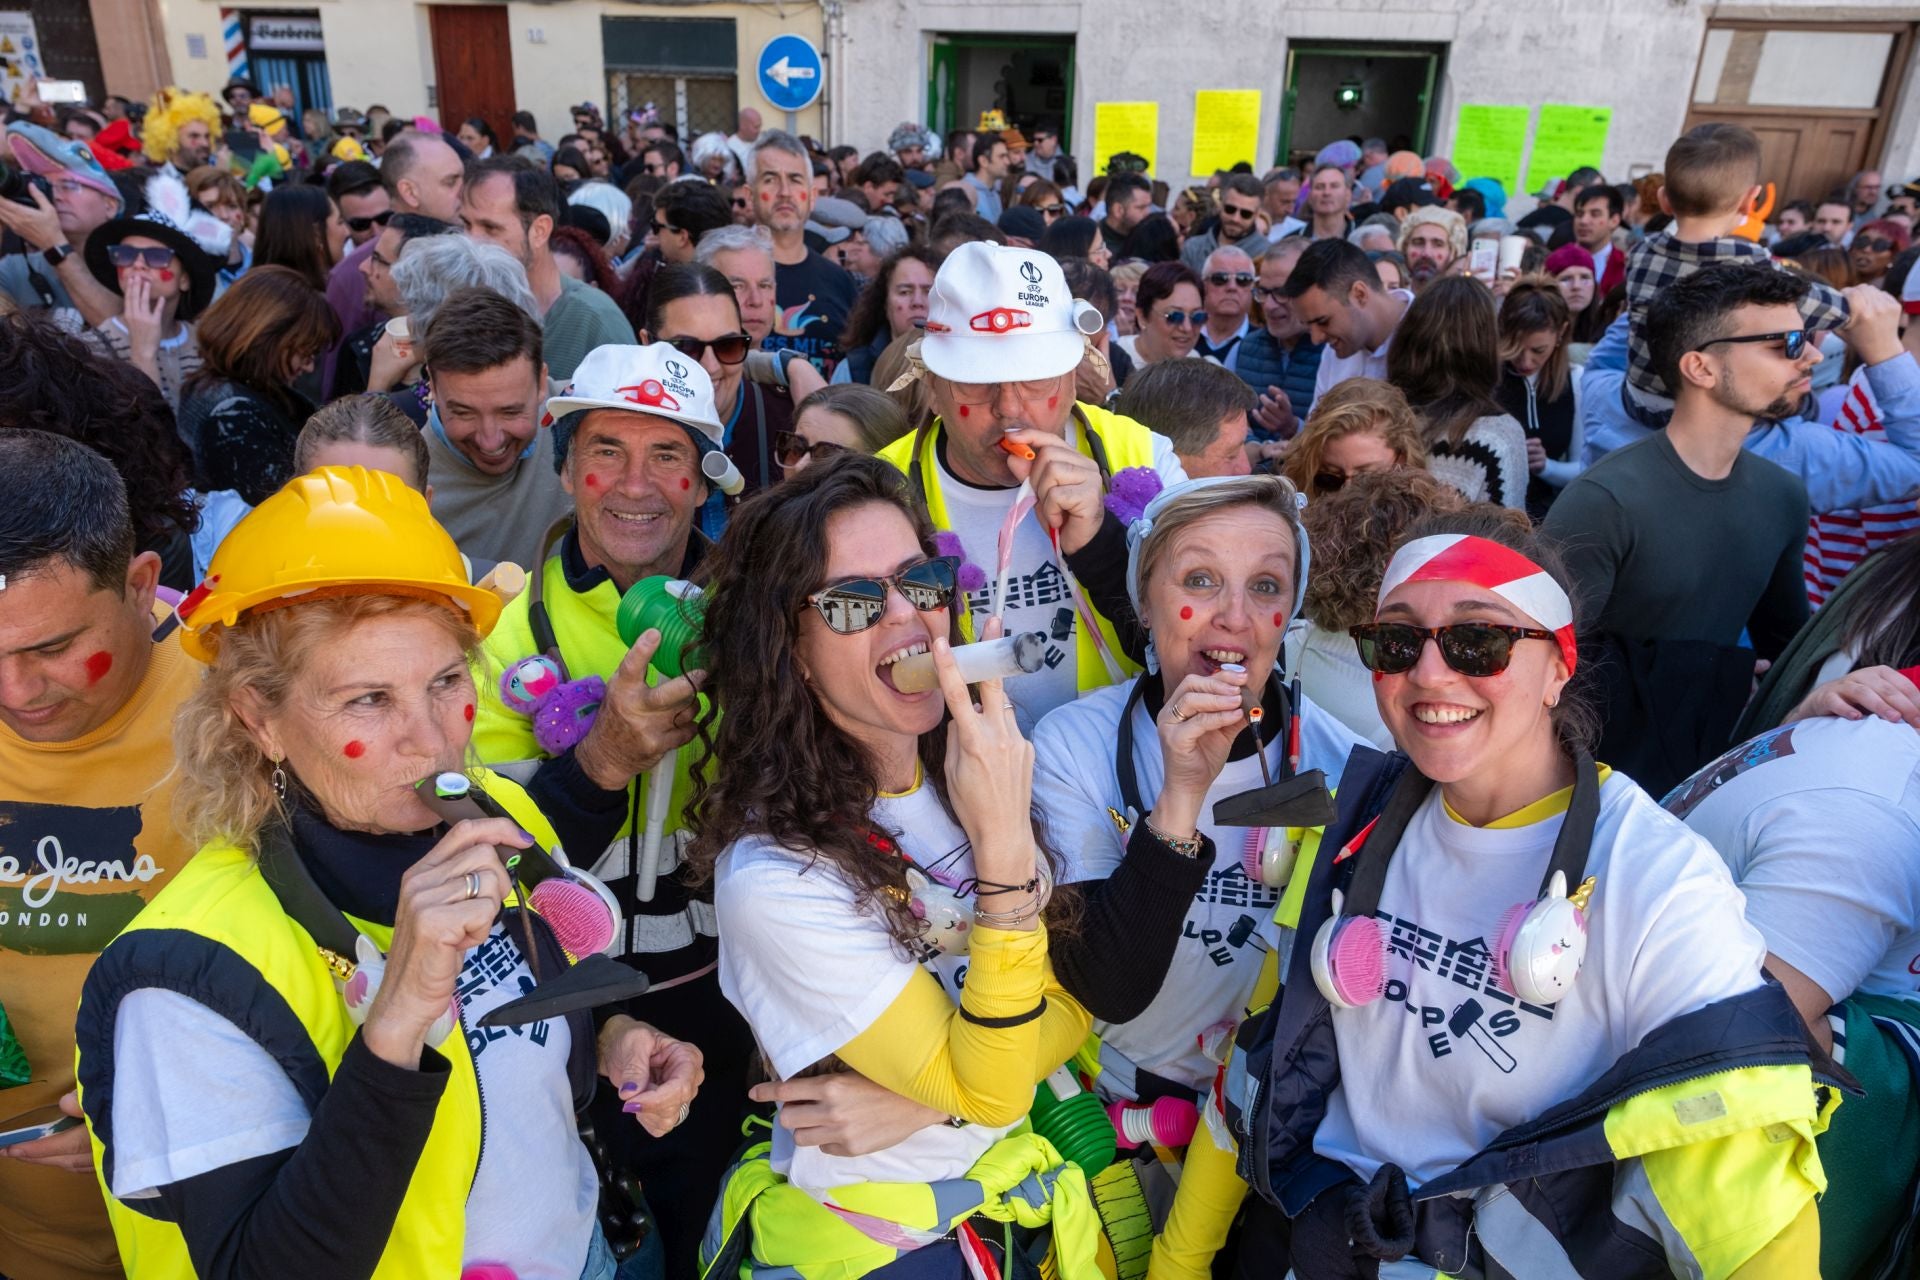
pixel 1471 648
pixel 850 607
pixel 157 257
pixel 728 349
pixel 741 202
pixel 1052 210
pixel 372 220
pixel 790 446
pixel 661 228
pixel 1242 278
pixel 1877 244
pixel 1792 341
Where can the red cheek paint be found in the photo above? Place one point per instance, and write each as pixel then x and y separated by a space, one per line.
pixel 1279 619
pixel 354 750
pixel 166 275
pixel 468 712
pixel 685 483
pixel 98 665
pixel 593 482
pixel 965 411
pixel 1053 402
pixel 1186 613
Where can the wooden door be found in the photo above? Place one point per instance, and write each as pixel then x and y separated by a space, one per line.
pixel 473 66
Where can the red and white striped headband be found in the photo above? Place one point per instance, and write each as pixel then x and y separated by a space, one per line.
pixel 1459 557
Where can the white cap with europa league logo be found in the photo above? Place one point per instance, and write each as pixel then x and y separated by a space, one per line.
pixel 1001 314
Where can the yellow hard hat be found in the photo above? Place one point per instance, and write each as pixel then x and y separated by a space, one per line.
pixel 333 531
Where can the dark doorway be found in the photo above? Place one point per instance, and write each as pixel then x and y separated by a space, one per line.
pixel 1357 89
pixel 1028 78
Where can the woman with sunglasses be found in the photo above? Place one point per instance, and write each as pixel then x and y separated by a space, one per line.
pixel 1360 426
pixel 1525 1024
pixel 870 846
pixel 893 303
pixel 844 418
pixel 1874 248
pixel 692 308
pixel 1047 198
pixel 1167 309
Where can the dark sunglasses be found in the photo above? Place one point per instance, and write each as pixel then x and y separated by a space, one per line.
pixel 1471 648
pixel 1877 244
pixel 851 607
pixel 1792 341
pixel 1052 210
pixel 1180 318
pixel 661 228
pixel 1242 278
pixel 728 349
pixel 157 257
pixel 372 220
pixel 740 202
pixel 790 446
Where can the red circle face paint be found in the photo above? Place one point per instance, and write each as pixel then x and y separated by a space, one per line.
pixel 685 483
pixel 354 750
pixel 1053 402
pixel 965 411
pixel 468 712
pixel 593 481
pixel 1186 613
pixel 166 275
pixel 98 664
pixel 1279 619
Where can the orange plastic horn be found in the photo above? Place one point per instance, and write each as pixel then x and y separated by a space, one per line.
pixel 1756 217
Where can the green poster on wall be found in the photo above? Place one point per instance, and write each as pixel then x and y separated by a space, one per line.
pixel 1488 141
pixel 1567 138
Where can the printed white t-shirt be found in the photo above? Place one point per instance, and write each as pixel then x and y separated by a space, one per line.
pixel 534 1194
pixel 1037 597
pixel 1229 926
pixel 810 971
pixel 1819 821
pixel 1447 1060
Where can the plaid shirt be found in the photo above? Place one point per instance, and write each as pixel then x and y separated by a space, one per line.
pixel 1660 260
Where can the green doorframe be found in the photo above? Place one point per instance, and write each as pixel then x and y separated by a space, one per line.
pixel 1423 135
pixel 941 64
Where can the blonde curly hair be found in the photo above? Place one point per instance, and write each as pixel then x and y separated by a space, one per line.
pixel 225 791
pixel 171 108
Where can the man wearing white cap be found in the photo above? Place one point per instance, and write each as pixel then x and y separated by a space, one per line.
pixel 631 433
pixel 1004 337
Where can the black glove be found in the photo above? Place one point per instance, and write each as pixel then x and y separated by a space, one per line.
pixel 1322 1245
pixel 1380 1216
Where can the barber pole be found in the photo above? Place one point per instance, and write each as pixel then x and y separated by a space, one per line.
pixel 236 43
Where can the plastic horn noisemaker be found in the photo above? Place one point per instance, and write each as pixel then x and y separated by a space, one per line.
pixel 1073 1120
pixel 582 911
pixel 677 610
pixel 720 472
pixel 1015 655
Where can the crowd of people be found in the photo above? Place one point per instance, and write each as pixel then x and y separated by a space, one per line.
pixel 645 705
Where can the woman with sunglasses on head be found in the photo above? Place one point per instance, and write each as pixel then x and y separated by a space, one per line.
pixel 836 420
pixel 692 308
pixel 1524 1028
pixel 869 846
pixel 1362 425
pixel 1167 310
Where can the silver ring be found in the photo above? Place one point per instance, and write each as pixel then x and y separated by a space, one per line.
pixel 1008 707
pixel 681 1118
pixel 473 885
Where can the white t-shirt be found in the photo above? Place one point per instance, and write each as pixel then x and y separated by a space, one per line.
pixel 810 971
pixel 1448 1061
pixel 534 1195
pixel 1819 821
pixel 1335 370
pixel 1037 598
pixel 1230 923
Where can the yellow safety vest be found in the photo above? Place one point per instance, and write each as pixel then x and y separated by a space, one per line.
pixel 1124 442
pixel 221 896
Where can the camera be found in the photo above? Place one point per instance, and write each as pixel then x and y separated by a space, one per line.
pixel 17 185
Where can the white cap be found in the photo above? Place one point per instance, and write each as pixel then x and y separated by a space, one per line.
pixel 1000 314
pixel 654 379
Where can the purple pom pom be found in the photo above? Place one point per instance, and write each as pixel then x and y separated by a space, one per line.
pixel 564 715
pixel 972 576
pixel 1131 490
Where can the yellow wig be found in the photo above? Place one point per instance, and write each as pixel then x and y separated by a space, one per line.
pixel 171 108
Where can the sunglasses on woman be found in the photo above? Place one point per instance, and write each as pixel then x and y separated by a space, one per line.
pixel 1180 319
pixel 790 446
pixel 729 348
pixel 156 257
pixel 850 607
pixel 1471 648
pixel 358 225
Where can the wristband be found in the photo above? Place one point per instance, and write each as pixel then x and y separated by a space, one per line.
pixel 1001 1024
pixel 1187 848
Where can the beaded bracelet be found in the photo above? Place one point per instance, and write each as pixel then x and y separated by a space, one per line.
pixel 1188 848
pixel 1006 919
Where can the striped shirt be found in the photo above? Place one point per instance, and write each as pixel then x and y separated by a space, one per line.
pixel 1839 540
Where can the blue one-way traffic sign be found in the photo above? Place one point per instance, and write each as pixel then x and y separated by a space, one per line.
pixel 790 72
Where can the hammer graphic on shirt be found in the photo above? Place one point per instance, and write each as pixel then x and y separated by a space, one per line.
pixel 1465 1024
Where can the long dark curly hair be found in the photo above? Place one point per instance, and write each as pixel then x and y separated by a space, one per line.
pixel 55 383
pixel 775 764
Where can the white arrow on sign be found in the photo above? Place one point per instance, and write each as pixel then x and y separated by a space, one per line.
pixel 783 71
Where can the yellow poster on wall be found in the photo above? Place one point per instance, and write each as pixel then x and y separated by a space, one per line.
pixel 1125 126
pixel 1487 143
pixel 1226 129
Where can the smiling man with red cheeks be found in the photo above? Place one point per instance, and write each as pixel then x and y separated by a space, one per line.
pixel 629 434
pixel 87 698
pixel 494 483
pixel 815 296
